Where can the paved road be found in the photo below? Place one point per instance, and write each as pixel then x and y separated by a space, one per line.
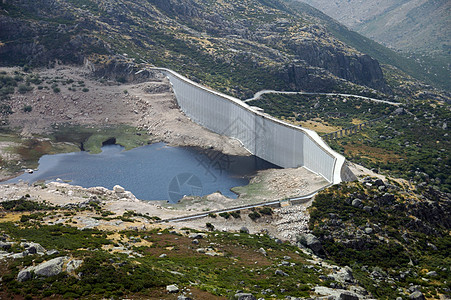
pixel 260 93
pixel 204 214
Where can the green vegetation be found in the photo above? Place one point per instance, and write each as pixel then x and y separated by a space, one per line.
pixel 91 139
pixel 392 232
pixel 335 111
pixel 27 108
pixel 412 145
pixel 105 273
pixel 23 204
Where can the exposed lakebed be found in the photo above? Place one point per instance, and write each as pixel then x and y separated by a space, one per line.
pixel 152 172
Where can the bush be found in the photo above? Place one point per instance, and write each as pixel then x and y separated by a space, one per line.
pixel 85 90
pixel 27 108
pixel 225 215
pixel 56 90
pixel 210 226
pixel 236 214
pixel 23 88
pixel 254 215
pixel 266 211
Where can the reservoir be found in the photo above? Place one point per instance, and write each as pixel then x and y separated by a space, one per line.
pixel 152 172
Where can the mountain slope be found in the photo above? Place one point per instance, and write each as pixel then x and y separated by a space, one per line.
pixel 419 29
pixel 236 46
pixel 432 69
pixel 410 25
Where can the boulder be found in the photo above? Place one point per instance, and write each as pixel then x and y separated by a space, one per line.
pixel 357 203
pixel 244 296
pixel 50 268
pixel 183 297
pixel 24 275
pixel 344 275
pixel 118 189
pixel 417 295
pixel 52 252
pixel 312 242
pixel 431 273
pixel 73 264
pixel 244 230
pixel 262 251
pixel 172 288
pixel 280 272
pixel 348 296
pixel 196 236
pixel 5 245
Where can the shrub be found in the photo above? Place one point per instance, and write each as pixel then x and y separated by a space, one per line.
pixel 254 215
pixel 225 215
pixel 27 108
pixel 56 90
pixel 210 226
pixel 85 90
pixel 266 211
pixel 235 214
pixel 23 88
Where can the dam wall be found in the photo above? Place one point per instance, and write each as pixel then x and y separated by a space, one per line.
pixel 278 142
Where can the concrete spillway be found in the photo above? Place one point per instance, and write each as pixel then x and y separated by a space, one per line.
pixel 278 142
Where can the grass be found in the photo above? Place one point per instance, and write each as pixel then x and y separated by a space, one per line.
pixel 117 275
pixel 91 138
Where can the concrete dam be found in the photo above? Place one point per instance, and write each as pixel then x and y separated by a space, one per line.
pixel 280 143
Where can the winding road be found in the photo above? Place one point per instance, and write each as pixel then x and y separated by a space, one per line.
pixel 260 93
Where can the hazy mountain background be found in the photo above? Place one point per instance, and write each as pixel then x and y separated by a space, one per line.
pixel 421 29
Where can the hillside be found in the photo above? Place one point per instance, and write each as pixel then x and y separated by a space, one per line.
pixel 409 25
pixel 418 29
pixel 238 47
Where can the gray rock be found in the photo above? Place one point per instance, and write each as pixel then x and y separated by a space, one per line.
pixel 50 268
pixel 348 296
pixel 343 275
pixel 17 255
pixel 52 252
pixel 244 296
pixel 432 273
pixel 172 288
pixel 244 229
pixel 280 272
pixel 312 242
pixel 73 264
pixel 5 245
pixel 196 236
pixel 195 242
pixel 367 208
pixel 163 255
pixel 357 203
pixel 379 182
pixel 368 230
pixel 183 297
pixel 24 275
pixel 417 296
pixel 262 251
pixel 118 189
pixel 32 250
pixel 399 111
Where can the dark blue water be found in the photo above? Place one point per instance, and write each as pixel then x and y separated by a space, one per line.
pixel 153 172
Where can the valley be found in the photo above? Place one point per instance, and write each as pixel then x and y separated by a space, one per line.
pixel 78 75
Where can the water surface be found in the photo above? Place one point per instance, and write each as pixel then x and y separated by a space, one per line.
pixel 152 172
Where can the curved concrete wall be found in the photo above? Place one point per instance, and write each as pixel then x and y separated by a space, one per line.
pixel 278 142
